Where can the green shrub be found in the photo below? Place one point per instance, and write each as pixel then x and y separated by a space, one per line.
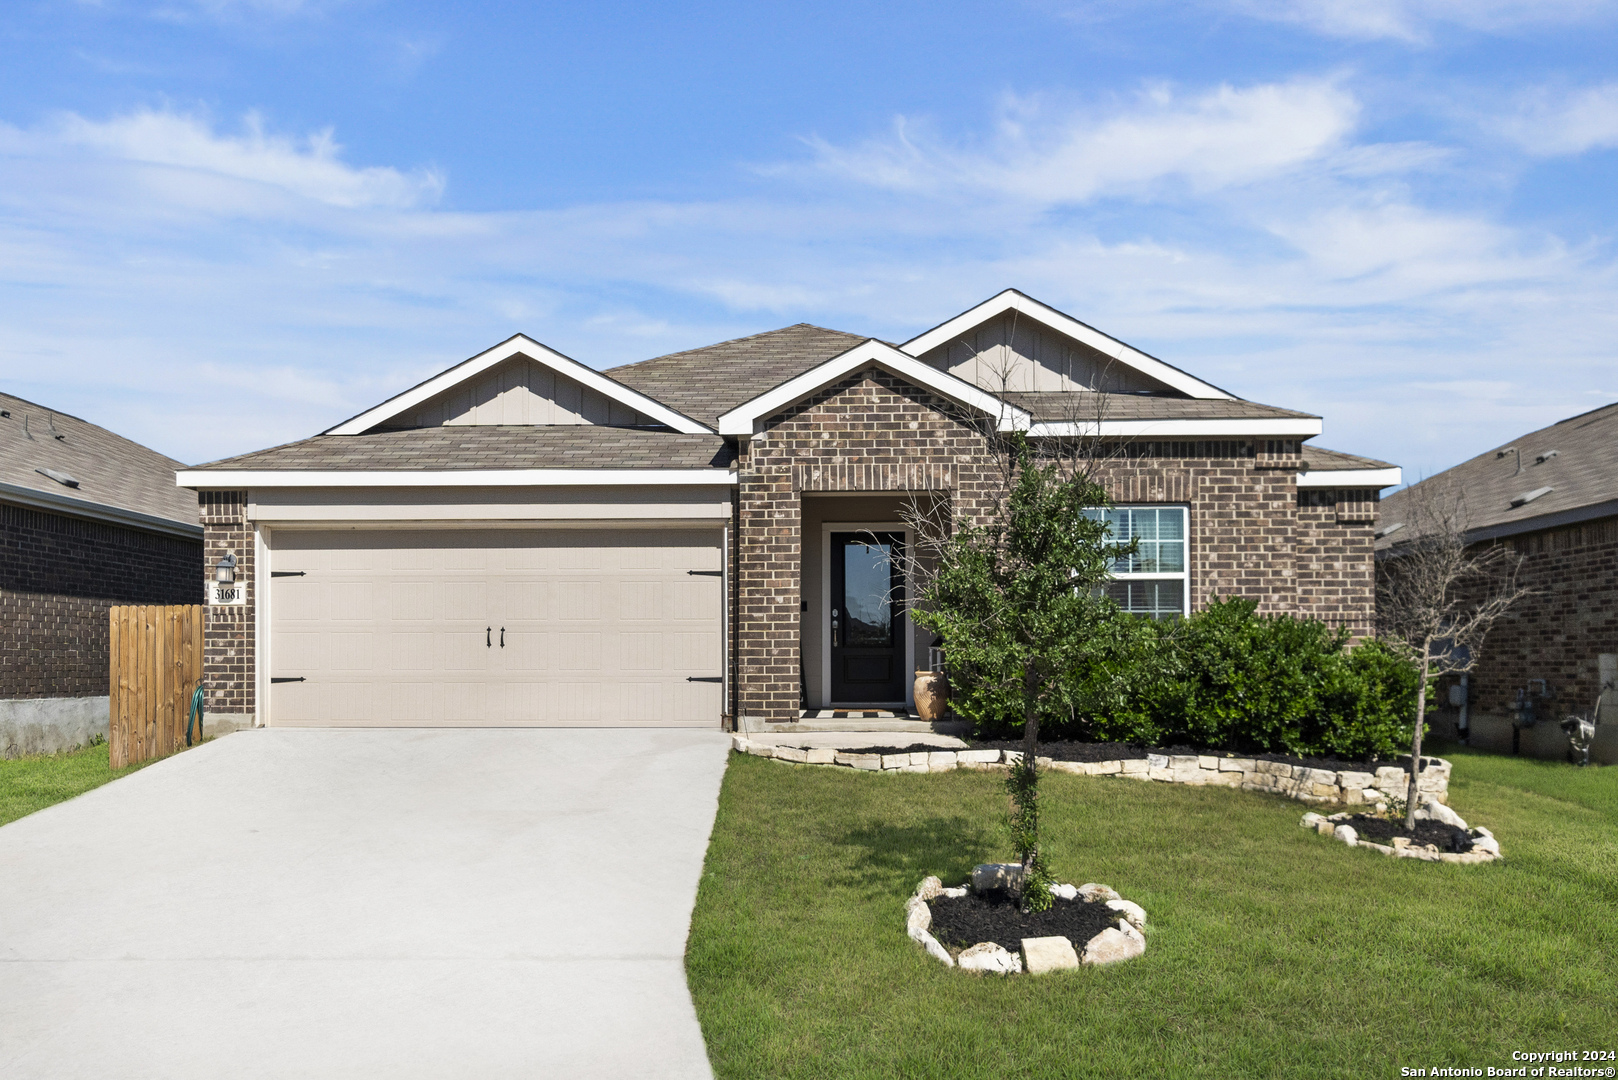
pixel 1225 678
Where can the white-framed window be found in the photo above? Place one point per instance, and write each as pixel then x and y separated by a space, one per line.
pixel 1155 581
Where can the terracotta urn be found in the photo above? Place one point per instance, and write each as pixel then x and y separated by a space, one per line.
pixel 931 692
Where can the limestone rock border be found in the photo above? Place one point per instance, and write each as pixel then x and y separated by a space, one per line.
pixel 1485 848
pixel 1038 955
pixel 1347 786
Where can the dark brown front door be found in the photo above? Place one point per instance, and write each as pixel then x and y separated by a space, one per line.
pixel 867 618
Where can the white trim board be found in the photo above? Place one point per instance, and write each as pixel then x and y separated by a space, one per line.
pixel 1301 427
pixel 826 529
pixel 1012 300
pixel 519 345
pixel 207 479
pixel 747 418
pixel 1351 478
pixel 112 515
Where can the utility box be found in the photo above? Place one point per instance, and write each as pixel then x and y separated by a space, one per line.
pixel 1607 673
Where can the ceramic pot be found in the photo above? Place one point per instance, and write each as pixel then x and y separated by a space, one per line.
pixel 931 692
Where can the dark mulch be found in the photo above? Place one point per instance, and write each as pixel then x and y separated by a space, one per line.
pixel 961 922
pixel 1440 835
pixel 1072 751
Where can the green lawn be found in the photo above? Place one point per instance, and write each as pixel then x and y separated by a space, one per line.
pixel 33 783
pixel 1272 951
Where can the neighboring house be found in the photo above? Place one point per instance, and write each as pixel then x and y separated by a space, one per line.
pixel 88 519
pixel 1552 497
pixel 525 540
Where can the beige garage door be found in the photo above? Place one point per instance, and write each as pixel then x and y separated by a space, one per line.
pixel 496 627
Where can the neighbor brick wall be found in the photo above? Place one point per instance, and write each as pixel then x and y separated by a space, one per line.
pixel 1557 633
pixel 59 575
pixel 228 651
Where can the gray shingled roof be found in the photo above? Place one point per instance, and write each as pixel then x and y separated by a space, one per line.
pixel 110 469
pixel 1085 405
pixel 1319 459
pixel 1583 478
pixel 491 447
pixel 703 383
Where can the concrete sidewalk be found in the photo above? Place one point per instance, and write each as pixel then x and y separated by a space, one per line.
pixel 398 903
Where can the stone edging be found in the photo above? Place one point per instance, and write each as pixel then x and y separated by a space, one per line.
pixel 1485 848
pixel 1295 781
pixel 1038 955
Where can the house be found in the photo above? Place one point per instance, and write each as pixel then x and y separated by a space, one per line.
pixel 88 519
pixel 705 537
pixel 1551 496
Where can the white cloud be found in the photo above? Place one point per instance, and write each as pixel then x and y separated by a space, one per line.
pixel 1569 122
pixel 189 152
pixel 1220 138
pixel 1415 20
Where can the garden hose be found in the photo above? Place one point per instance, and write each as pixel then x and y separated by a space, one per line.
pixel 196 714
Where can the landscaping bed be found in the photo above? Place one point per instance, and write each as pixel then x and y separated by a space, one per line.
pixel 962 921
pixel 1123 751
pixel 1441 835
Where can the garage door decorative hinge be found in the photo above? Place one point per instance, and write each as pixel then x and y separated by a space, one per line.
pixel 704 678
pixel 706 573
pixel 286 573
pixel 288 678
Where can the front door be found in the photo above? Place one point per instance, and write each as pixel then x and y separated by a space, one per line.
pixel 867 618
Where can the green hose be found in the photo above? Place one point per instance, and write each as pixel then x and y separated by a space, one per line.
pixel 196 715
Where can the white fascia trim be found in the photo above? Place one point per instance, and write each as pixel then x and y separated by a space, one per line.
pixel 1351 478
pixel 1300 428
pixel 324 478
pixel 744 420
pixel 519 345
pixel 1012 300
pixel 112 515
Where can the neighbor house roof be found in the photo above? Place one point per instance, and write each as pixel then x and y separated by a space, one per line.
pixel 96 474
pixel 460 447
pixel 1085 405
pixel 1558 475
pixel 704 383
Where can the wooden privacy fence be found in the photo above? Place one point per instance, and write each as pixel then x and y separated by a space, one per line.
pixel 156 665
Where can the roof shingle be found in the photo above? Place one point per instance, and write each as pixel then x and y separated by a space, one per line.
pixel 110 469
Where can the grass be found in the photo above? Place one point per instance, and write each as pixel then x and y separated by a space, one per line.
pixel 1272 951
pixel 28 784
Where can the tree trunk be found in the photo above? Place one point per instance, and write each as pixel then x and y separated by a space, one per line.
pixel 1411 794
pixel 1030 749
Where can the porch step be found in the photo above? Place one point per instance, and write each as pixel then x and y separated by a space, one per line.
pixel 859 720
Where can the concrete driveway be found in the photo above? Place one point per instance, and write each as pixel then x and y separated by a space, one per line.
pixel 398 903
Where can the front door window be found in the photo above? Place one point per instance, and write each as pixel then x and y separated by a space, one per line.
pixel 867 618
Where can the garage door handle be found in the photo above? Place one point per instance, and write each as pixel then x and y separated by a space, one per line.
pixel 502 637
pixel 288 678
pixel 706 573
pixel 488 637
pixel 704 678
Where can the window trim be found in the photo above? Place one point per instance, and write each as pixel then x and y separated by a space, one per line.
pixel 1181 575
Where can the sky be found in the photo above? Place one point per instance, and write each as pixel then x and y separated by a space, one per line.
pixel 229 224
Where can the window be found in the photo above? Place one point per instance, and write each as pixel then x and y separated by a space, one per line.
pixel 1153 581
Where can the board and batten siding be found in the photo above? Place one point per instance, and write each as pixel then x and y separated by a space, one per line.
pixel 1018 354
pixel 520 391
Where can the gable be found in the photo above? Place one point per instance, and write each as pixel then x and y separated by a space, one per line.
pixel 492 386
pixel 1056 349
pixel 1015 353
pixel 520 391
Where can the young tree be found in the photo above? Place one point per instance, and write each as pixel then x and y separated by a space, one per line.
pixel 1009 597
pixel 1439 596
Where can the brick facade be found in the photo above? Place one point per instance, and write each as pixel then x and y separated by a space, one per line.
pixel 230 641
pixel 1557 633
pixel 1252 532
pixel 59 575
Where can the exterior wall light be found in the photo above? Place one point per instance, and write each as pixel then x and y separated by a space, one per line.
pixel 225 568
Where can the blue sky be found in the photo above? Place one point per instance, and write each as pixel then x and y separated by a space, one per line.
pixel 226 224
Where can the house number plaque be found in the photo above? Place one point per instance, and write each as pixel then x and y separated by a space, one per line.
pixel 227 593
